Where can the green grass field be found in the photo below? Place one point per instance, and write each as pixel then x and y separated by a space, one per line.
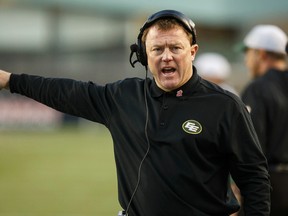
pixel 57 173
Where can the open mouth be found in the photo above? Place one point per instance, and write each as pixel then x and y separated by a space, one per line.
pixel 168 70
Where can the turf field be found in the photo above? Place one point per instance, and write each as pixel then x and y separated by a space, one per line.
pixel 67 172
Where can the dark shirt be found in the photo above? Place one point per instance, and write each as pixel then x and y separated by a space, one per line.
pixel 267 97
pixel 198 134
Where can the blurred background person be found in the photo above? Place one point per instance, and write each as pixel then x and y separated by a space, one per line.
pixel 215 68
pixel 266 98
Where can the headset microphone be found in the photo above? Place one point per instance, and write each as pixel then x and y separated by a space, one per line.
pixel 134 49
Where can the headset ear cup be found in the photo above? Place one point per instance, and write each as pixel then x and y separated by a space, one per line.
pixel 142 56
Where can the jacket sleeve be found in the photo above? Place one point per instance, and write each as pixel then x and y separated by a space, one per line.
pixel 253 99
pixel 82 99
pixel 248 165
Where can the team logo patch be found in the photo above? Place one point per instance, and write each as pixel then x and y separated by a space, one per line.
pixel 192 127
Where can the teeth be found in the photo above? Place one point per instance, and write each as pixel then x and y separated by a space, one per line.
pixel 168 69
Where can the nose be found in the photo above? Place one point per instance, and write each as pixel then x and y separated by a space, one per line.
pixel 167 55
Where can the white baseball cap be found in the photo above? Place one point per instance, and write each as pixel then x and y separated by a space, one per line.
pixel 267 37
pixel 212 65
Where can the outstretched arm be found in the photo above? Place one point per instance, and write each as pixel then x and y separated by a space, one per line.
pixel 4 79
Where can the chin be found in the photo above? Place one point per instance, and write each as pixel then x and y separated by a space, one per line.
pixel 170 87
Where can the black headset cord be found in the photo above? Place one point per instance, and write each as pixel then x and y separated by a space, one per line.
pixel 147 140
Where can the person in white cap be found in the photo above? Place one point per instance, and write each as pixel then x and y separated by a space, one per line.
pixel 267 99
pixel 215 68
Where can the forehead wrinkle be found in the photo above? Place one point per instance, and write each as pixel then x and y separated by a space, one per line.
pixel 156 36
pixel 160 41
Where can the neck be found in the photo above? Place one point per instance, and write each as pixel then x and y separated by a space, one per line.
pixel 276 64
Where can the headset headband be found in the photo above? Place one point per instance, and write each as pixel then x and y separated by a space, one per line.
pixel 186 22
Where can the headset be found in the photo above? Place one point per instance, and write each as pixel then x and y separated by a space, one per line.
pixel 140 49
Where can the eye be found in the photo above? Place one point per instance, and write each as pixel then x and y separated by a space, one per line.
pixel 176 49
pixel 157 50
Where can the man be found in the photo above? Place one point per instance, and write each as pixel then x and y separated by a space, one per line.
pixel 176 137
pixel 267 99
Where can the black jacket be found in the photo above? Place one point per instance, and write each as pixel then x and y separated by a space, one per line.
pixel 267 97
pixel 197 134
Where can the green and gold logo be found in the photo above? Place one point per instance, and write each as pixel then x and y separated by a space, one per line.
pixel 192 127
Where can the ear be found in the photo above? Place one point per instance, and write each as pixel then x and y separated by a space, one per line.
pixel 194 49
